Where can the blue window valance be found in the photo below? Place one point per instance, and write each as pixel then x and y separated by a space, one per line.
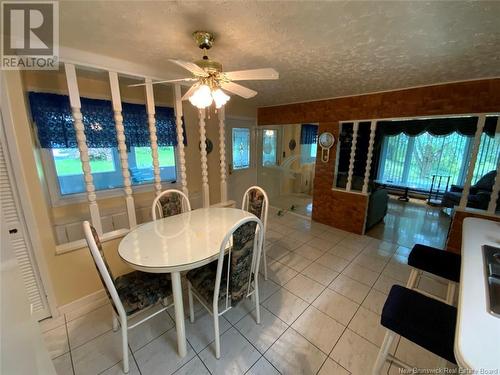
pixel 308 134
pixel 54 123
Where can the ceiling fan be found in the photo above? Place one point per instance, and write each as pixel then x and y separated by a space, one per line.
pixel 210 81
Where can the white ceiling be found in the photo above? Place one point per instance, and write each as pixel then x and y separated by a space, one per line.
pixel 321 49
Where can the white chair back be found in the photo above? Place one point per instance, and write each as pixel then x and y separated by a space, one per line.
pixel 177 207
pixel 95 247
pixel 227 246
pixel 247 204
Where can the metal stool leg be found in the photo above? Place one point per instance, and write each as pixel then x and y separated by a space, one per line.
pixel 383 353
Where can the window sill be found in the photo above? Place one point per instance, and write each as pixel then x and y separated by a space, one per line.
pixel 81 244
pixel 111 193
pixel 350 192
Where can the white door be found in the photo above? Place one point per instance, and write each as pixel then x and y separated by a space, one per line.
pixel 241 154
pixel 14 230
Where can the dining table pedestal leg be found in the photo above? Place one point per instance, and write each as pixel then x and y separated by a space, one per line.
pixel 179 313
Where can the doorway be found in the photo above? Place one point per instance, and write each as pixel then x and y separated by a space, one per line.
pixel 286 163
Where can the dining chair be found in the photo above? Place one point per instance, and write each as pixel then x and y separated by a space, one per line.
pixel 170 202
pixel 233 276
pixel 255 201
pixel 130 294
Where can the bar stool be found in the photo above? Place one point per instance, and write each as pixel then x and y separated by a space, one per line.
pixel 423 320
pixel 438 262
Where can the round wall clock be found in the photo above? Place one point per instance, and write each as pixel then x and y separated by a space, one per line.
pixel 326 141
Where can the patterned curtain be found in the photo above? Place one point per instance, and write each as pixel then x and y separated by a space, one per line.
pixel 54 123
pixel 308 134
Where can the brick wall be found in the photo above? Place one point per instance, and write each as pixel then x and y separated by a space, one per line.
pixel 346 210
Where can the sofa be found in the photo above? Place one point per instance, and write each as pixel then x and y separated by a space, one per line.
pixel 479 193
pixel 378 199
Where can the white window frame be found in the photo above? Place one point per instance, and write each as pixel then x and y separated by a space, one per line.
pixel 58 200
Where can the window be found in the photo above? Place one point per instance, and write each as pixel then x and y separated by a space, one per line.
pixel 56 135
pixel 241 148
pixel 308 143
pixel 106 169
pixel 412 161
pixel 269 147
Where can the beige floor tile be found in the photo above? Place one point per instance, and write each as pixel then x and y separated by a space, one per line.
pixel 361 274
pixel 417 356
pixel 333 262
pixel 289 243
pixel 237 354
pixel 321 244
pixel 375 301
pixel 266 288
pixel 286 306
pixel 149 330
pixel 373 263
pixel 385 283
pixel 56 341
pixel 51 323
pixel 366 323
pixel 320 273
pixel 89 326
pixel 262 367
pixel 330 367
pixel 237 312
pixel 160 356
pixel 295 261
pixel 336 306
pixel 397 271
pixel 319 328
pixel 304 287
pixel 293 354
pixel 280 274
pixel 350 288
pixel 201 333
pixel 262 335
pixel 76 313
pixel 308 252
pixel 344 252
pixel 193 367
pixel 99 354
pixel 276 251
pixel 355 353
pixel 63 364
pixel 118 368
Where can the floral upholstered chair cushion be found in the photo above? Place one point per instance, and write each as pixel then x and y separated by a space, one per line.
pixel 171 204
pixel 138 290
pixel 255 202
pixel 203 279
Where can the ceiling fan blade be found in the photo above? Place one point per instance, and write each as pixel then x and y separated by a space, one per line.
pixel 252 74
pixel 237 89
pixel 192 67
pixel 190 91
pixel 167 81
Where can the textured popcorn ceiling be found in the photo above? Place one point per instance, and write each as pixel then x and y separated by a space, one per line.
pixel 321 49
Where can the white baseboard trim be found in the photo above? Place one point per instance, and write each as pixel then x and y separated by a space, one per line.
pixel 83 302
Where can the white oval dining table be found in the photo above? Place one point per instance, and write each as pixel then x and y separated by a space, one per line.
pixel 179 243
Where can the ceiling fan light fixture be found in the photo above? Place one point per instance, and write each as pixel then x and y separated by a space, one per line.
pixel 202 97
pixel 220 98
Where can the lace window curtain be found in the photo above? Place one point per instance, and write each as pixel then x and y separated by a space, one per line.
pixel 54 123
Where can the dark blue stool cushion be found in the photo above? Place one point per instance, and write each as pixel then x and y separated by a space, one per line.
pixel 425 321
pixel 438 262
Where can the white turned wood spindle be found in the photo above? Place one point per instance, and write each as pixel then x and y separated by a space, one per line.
pixel 369 156
pixel 74 100
pixel 222 150
pixel 150 108
pixel 122 148
pixel 492 206
pixel 353 153
pixel 204 165
pixel 180 137
pixel 472 164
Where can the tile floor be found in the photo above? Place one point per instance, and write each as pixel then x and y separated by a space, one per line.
pixel 413 221
pixel 320 315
